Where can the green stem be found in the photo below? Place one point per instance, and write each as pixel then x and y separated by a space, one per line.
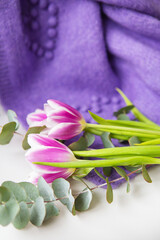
pixel 125 130
pixel 153 151
pixel 125 161
pixel 151 142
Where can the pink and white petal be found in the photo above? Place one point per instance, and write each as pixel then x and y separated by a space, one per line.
pixel 64 131
pixel 48 155
pixel 55 104
pixel 38 117
pixel 50 177
pixel 63 114
pixel 35 140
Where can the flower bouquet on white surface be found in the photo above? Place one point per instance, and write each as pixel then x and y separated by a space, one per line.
pixel 54 162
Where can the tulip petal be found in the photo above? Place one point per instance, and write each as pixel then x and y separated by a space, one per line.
pixel 64 131
pixel 50 177
pixel 42 140
pixel 36 118
pixel 55 104
pixel 63 114
pixel 48 154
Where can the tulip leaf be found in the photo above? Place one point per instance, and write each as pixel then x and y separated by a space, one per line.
pixel 63 192
pixel 38 212
pixel 51 211
pixel 5 194
pixel 7 133
pixel 31 190
pixel 12 117
pixel 45 190
pixel 146 174
pixel 90 138
pixel 83 201
pixel 22 218
pixel 8 212
pixel 25 144
pixel 80 145
pixel 133 140
pixel 17 191
pixel 107 140
pixel 109 192
pixel 82 172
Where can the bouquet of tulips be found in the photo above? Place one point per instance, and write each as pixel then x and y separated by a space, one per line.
pixel 53 160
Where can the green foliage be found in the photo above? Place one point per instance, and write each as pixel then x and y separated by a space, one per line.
pixel 109 192
pixel 44 190
pixel 123 116
pixel 107 171
pixel 63 192
pixel 7 133
pixel 38 212
pixel 146 174
pixel 51 210
pixel 25 144
pixel 123 174
pixel 83 201
pixel 133 140
pixel 105 137
pixel 12 117
pixel 82 172
pixel 80 145
pixel 123 111
pixel 22 218
pixel 8 212
pixel 90 138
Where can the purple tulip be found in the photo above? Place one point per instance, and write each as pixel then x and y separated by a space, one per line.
pixel 46 149
pixel 63 121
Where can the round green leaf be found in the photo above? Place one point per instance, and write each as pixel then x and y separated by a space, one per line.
pixel 8 212
pixel 62 190
pixel 4 194
pixel 38 212
pixel 51 211
pixel 83 201
pixel 22 218
pixel 7 133
pixel 17 191
pixel 12 117
pixel 45 190
pixel 31 191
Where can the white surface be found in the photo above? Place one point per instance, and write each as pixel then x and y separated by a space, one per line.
pixel 132 216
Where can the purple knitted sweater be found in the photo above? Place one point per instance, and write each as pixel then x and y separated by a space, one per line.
pixel 78 51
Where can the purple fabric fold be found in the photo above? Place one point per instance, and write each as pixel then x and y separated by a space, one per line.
pixel 78 52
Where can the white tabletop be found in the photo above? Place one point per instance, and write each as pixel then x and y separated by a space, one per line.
pixel 131 216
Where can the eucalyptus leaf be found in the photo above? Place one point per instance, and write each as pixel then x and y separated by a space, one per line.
pixel 38 212
pixel 107 171
pixel 17 191
pixel 45 190
pixel 90 138
pixel 81 144
pixel 7 133
pixel 123 116
pixel 109 192
pixel 12 117
pixel 106 140
pixel 8 212
pixel 82 172
pixel 22 218
pixel 133 168
pixel 122 173
pixel 134 140
pixel 83 201
pixel 25 144
pixel 123 110
pixel 51 210
pixel 31 190
pixel 5 194
pixel 146 174
pixel 63 192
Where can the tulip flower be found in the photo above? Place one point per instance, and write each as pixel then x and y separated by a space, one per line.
pixel 46 149
pixel 63 121
pixel 37 118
